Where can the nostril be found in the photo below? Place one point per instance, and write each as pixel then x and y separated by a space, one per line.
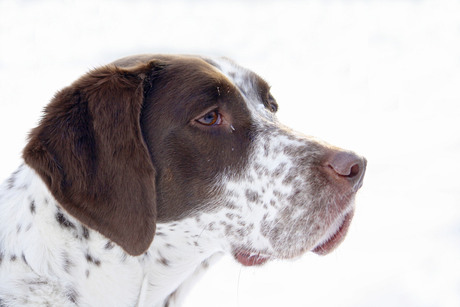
pixel 348 171
pixel 349 166
pixel 354 171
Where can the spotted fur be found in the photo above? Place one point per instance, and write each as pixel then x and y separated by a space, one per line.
pixel 282 195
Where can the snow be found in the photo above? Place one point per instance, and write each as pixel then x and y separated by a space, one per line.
pixel 379 77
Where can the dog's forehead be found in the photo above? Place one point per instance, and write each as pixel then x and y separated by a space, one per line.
pixel 251 85
pixel 247 81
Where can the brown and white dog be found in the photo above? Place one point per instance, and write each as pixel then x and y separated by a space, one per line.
pixel 141 172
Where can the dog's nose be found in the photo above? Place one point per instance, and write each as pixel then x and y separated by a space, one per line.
pixel 348 166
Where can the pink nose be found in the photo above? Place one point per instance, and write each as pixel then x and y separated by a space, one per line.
pixel 348 166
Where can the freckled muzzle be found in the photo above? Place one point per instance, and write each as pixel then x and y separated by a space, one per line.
pixel 312 186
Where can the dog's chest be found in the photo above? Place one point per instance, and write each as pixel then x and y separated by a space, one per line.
pixel 48 257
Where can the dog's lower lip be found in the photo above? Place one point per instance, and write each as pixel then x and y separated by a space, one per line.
pixel 336 239
pixel 251 259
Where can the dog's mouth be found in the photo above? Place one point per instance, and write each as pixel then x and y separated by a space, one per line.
pixel 247 258
pixel 334 237
pixel 330 240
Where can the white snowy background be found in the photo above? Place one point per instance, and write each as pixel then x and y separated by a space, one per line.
pixel 379 77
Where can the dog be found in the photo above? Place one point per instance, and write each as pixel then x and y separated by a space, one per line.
pixel 145 171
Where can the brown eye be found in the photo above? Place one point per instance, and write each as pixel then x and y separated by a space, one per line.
pixel 211 119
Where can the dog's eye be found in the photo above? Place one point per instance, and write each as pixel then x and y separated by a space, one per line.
pixel 272 103
pixel 212 118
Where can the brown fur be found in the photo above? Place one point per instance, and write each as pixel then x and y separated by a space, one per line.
pixel 189 157
pixel 90 152
pixel 122 143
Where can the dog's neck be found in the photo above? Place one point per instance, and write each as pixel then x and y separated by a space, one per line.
pixel 40 236
pixel 178 256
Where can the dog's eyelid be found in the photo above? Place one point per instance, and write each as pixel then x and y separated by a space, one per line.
pixel 206 111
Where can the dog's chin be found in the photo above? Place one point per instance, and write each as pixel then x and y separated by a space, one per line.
pixel 329 241
pixel 247 258
pixel 334 235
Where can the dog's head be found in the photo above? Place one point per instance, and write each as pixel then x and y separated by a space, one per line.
pixel 155 138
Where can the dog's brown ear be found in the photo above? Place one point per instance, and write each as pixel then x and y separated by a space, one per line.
pixel 89 150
